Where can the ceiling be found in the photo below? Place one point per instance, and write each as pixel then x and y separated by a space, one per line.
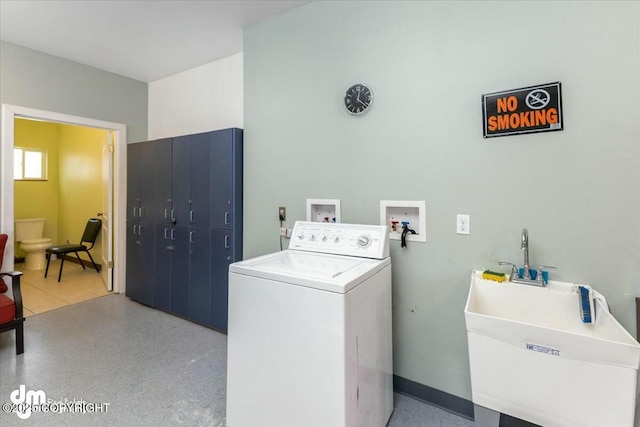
pixel 143 40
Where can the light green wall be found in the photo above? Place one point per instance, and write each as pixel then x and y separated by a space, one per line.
pixel 72 192
pixel 33 79
pixel 429 63
pixel 38 199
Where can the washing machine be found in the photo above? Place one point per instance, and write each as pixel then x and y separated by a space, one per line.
pixel 309 335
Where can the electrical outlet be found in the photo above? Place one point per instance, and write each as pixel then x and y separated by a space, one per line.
pixel 282 213
pixel 463 224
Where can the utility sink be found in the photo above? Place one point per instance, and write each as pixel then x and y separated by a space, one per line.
pixel 532 357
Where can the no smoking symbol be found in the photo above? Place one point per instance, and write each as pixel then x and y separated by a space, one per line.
pixel 537 99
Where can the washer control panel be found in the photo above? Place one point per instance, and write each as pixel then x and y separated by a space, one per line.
pixel 366 241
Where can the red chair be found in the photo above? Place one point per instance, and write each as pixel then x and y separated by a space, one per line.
pixel 11 309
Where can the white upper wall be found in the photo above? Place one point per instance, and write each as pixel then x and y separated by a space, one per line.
pixel 205 98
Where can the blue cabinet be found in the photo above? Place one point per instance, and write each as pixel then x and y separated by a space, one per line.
pixel 226 179
pixel 141 181
pixel 179 277
pixel 185 195
pixel 222 248
pixel 200 284
pixel 162 181
pixel 200 178
pixel 180 182
pixel 162 255
pixel 140 269
pixel 133 181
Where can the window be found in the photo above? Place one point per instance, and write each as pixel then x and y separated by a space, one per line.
pixel 29 164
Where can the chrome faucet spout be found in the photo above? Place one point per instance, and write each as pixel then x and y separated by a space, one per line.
pixel 525 279
pixel 525 246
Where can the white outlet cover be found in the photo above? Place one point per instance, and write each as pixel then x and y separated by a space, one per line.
pixel 463 225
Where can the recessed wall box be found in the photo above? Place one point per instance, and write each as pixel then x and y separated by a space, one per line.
pixel 323 210
pixel 394 213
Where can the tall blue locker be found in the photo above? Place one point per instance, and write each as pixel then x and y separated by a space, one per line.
pixel 140 268
pixel 186 201
pixel 200 284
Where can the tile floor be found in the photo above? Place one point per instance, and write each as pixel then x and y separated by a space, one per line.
pixel 41 295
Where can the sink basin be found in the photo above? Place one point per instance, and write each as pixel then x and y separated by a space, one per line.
pixel 532 357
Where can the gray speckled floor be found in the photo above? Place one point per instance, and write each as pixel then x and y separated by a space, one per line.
pixel 152 368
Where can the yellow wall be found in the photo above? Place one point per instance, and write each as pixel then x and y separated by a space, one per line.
pixel 80 192
pixel 38 199
pixel 73 192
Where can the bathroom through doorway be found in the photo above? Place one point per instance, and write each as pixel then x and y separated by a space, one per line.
pixel 113 187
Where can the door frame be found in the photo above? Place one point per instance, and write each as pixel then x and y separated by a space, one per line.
pixel 106 160
pixel 9 114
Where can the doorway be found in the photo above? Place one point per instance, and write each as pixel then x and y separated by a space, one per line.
pixel 118 182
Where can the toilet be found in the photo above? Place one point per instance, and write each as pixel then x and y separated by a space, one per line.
pixel 29 234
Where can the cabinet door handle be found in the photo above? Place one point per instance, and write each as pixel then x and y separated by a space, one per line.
pixel 173 234
pixel 134 212
pixel 191 233
pixel 166 230
pixel 226 242
pixel 139 230
pixel 191 216
pixel 141 210
pixel 165 213
pixel 226 218
pixel 134 229
pixel 173 216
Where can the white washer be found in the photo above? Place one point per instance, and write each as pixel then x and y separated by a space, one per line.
pixel 309 336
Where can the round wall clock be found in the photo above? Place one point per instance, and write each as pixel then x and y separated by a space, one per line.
pixel 358 99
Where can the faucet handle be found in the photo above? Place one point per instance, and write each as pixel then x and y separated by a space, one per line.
pixel 514 268
pixel 540 275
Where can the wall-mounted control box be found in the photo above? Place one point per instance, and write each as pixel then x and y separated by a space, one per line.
pixel 323 210
pixel 396 213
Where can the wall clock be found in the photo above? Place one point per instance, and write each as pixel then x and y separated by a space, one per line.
pixel 358 99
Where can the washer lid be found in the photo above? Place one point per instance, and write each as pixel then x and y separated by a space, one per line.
pixel 320 271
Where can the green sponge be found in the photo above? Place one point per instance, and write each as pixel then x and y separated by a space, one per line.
pixel 492 275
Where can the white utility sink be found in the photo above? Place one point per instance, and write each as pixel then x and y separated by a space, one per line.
pixel 532 357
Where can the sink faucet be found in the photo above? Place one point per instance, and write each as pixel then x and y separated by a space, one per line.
pixel 525 246
pixel 526 270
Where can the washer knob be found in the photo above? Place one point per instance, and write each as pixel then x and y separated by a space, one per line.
pixel 300 236
pixel 364 241
pixel 324 238
pixel 313 237
pixel 337 239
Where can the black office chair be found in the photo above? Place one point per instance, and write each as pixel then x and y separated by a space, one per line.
pixel 90 235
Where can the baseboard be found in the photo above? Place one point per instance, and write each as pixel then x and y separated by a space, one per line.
pixel 448 402
pixel 432 396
